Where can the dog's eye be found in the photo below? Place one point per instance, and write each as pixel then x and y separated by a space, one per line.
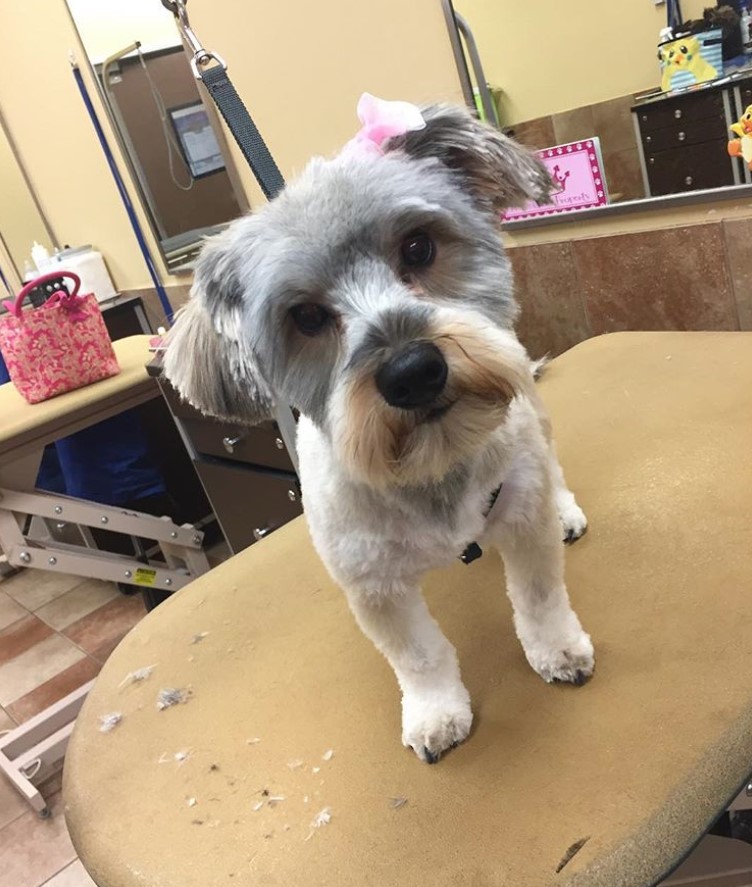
pixel 684 49
pixel 418 250
pixel 310 318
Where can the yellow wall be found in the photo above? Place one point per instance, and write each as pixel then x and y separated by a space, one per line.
pixel 552 56
pixel 20 221
pixel 106 26
pixel 299 66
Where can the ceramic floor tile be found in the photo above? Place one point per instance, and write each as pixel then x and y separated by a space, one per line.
pixel 553 317
pixel 12 805
pixel 22 636
pixel 10 611
pixel 738 234
pixel 77 603
pixel 673 279
pixel 535 134
pixel 33 850
pixel 571 126
pixel 218 553
pixel 612 123
pixel 37 665
pixel 35 588
pixel 73 875
pixel 51 691
pixel 101 653
pixel 107 623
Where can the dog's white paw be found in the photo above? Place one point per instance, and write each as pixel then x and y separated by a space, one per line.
pixel 571 662
pixel 573 520
pixel 435 722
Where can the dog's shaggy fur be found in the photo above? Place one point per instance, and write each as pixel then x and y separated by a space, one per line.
pixel 391 492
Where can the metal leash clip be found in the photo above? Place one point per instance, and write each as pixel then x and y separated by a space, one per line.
pixel 201 57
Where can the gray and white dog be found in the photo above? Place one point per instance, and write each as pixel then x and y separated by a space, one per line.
pixel 374 296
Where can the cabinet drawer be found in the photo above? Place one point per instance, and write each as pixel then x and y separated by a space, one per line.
pixel 254 445
pixel 248 504
pixel 656 115
pixel 689 169
pixel 178 407
pixel 746 95
pixel 689 132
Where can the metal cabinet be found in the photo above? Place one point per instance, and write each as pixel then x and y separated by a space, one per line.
pixel 683 141
pixel 246 471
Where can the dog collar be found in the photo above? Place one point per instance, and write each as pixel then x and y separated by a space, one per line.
pixel 473 550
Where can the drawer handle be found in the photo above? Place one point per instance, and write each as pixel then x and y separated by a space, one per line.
pixel 678 113
pixel 279 443
pixel 644 118
pixel 648 139
pixel 652 160
pixel 688 180
pixel 292 495
pixel 260 532
pixel 229 443
pixel 682 136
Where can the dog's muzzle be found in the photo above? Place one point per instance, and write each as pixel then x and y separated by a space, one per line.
pixel 413 377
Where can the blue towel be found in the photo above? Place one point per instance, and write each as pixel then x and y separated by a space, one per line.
pixel 108 463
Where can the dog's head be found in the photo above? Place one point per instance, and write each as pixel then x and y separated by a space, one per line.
pixel 374 296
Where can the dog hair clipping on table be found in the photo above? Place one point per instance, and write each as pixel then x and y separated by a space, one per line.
pixel 137 676
pixel 170 696
pixel 322 818
pixel 397 803
pixel 197 638
pixel 107 723
pixel 295 764
pixel 328 755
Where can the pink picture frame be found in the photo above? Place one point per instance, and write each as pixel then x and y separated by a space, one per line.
pixel 577 170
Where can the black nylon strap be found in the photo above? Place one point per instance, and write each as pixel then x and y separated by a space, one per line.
pixel 244 131
pixel 473 550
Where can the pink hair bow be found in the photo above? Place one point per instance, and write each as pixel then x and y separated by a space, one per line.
pixel 381 121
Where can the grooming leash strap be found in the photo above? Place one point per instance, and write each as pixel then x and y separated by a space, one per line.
pixel 473 550
pixel 230 105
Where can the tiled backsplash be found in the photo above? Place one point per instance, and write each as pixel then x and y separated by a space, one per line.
pixel 611 121
pixel 697 277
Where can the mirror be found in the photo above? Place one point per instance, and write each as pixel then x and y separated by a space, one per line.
pixel 21 219
pixel 657 121
pixel 171 138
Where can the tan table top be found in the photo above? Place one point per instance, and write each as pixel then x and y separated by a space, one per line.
pixel 27 427
pixel 654 431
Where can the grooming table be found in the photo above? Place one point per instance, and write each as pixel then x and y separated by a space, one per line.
pixel 611 784
pixel 25 429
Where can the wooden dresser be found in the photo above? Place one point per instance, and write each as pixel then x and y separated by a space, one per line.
pixel 683 138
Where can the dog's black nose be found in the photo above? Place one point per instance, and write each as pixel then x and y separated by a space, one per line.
pixel 413 377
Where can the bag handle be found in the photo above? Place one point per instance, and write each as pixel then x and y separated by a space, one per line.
pixel 14 305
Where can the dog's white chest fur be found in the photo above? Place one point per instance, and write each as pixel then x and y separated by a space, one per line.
pixel 364 535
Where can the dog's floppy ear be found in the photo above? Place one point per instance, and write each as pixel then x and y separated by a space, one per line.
pixel 207 359
pixel 500 172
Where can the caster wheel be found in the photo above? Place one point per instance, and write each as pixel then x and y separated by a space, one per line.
pixel 45 813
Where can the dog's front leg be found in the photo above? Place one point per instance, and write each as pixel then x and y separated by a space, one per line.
pixel 435 704
pixel 548 628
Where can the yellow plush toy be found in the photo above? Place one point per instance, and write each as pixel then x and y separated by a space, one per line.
pixel 684 55
pixel 742 147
